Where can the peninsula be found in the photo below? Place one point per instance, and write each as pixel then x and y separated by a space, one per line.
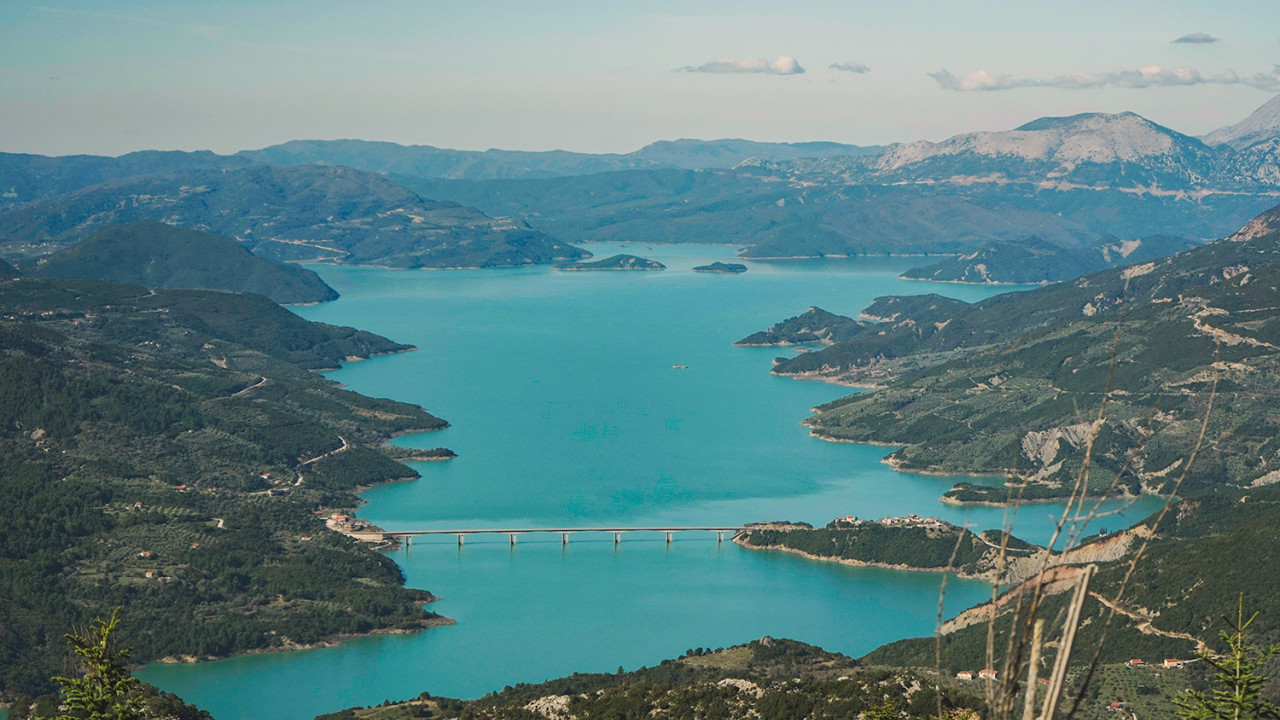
pixel 924 544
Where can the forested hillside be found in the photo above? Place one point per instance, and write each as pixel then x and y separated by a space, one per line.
pixel 165 452
pixel 1013 384
pixel 156 255
pixel 332 214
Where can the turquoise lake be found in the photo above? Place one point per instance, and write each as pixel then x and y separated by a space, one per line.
pixel 567 411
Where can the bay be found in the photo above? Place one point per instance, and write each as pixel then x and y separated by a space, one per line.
pixel 569 409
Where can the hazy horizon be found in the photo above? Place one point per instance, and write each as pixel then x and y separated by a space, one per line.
pixel 108 78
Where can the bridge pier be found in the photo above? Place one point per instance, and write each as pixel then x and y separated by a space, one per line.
pixel 405 537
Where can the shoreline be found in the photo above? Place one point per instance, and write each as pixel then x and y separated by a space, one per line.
pixel 1038 501
pixel 328 641
pixel 994 283
pixel 845 441
pixel 332 263
pixel 818 377
pixel 420 458
pixel 571 268
pixel 896 465
pixel 844 256
pixel 935 472
pixel 356 358
pixel 859 563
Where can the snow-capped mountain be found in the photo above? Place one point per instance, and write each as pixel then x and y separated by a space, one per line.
pixel 1122 151
pixel 1262 125
pixel 1067 141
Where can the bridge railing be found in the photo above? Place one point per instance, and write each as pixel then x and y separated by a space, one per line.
pixel 564 532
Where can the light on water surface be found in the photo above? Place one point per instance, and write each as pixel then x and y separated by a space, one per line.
pixel 568 410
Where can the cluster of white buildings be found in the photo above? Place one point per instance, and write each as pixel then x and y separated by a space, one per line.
pixel 912 520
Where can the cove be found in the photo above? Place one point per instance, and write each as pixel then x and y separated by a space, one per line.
pixel 567 409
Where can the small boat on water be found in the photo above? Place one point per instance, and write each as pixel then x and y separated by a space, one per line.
pixel 679 367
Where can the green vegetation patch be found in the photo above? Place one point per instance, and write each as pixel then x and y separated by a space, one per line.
pixel 136 471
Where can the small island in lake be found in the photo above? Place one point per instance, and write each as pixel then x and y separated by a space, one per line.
pixel 722 268
pixel 615 262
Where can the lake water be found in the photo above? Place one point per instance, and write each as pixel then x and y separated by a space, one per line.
pixel 567 411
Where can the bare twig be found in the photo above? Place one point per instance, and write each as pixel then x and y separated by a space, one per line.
pixel 1142 549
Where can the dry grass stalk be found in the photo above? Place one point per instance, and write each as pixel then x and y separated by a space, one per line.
pixel 1026 633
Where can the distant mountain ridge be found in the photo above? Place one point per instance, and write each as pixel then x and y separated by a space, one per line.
pixel 1084 137
pixel 25 178
pixel 1099 151
pixel 305 213
pixel 1070 181
pixel 425 161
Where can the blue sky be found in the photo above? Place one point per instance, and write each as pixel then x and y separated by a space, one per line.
pixel 108 78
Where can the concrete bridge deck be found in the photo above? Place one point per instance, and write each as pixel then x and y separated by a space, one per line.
pixel 564 532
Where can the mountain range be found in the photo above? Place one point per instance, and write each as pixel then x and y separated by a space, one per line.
pixel 432 162
pixel 1070 181
pixel 301 213
pixel 1080 183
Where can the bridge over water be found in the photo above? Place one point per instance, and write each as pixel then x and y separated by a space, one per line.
pixel 669 531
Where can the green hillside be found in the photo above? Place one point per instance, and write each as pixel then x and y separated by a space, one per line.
pixel 815 208
pixel 202 325
pixel 1208 553
pixel 1012 384
pixel 162 452
pixel 1031 260
pixel 304 213
pixel 910 543
pixel 813 325
pixel 153 254
pixel 767 679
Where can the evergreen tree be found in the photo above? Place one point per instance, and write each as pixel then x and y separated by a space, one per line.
pixel 105 691
pixel 1237 684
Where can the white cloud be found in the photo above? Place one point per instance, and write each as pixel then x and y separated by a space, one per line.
pixel 852 67
pixel 1150 76
pixel 1197 38
pixel 784 65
